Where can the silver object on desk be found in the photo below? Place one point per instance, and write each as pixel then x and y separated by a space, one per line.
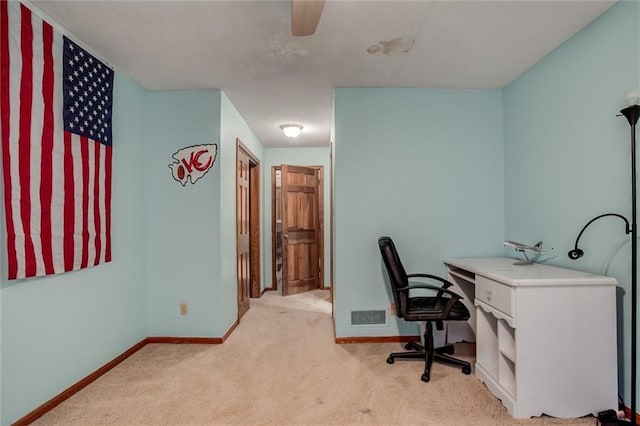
pixel 523 248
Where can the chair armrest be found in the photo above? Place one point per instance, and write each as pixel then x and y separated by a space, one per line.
pixel 452 300
pixel 446 284
pixel 431 287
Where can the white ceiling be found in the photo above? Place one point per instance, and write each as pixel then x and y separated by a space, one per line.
pixel 246 49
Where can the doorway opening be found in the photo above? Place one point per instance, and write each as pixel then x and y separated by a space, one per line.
pixel 297 223
pixel 247 226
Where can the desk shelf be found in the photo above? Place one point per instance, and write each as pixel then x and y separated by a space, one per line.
pixel 465 275
pixel 507 375
pixel 507 340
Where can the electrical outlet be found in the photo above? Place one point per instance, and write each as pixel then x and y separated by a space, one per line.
pixel 184 309
pixel 392 309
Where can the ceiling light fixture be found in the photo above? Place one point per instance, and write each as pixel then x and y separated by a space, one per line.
pixel 291 130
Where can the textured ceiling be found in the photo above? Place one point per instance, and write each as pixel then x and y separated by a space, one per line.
pixel 246 49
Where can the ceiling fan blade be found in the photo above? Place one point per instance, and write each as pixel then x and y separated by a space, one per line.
pixel 305 15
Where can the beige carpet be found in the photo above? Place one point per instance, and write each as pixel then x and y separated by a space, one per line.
pixel 282 367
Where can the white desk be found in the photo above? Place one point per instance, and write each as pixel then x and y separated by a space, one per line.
pixel 545 336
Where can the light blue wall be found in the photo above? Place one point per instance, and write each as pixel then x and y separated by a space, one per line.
pixel 232 127
pixel 318 156
pixel 59 329
pixel 424 166
pixel 567 155
pixel 183 222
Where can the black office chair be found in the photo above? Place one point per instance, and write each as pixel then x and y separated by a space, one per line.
pixel 445 305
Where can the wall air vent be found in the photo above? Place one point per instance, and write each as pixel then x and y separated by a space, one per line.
pixel 369 317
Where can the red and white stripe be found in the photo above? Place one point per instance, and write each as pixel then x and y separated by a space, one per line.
pixel 57 190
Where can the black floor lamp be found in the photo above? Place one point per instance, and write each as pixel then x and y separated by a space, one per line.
pixel 632 113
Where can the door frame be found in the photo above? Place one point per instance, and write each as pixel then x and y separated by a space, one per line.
pixel 319 236
pixel 254 219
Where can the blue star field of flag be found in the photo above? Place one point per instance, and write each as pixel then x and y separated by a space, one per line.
pixel 87 94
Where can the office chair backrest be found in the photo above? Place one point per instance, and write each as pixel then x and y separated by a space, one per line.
pixel 397 274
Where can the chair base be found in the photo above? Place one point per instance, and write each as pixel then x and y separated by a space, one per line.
pixel 442 354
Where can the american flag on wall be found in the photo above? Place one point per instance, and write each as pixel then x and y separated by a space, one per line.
pixel 55 117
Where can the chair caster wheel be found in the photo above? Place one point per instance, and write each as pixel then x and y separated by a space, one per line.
pixel 390 360
pixel 408 346
pixel 466 369
pixel 425 377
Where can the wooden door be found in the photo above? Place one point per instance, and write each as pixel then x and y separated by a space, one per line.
pixel 242 230
pixel 300 231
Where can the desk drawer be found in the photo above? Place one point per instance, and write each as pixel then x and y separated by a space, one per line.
pixel 495 294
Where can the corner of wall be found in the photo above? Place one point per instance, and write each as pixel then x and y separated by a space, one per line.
pixel 561 115
pixel 234 127
pixel 183 256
